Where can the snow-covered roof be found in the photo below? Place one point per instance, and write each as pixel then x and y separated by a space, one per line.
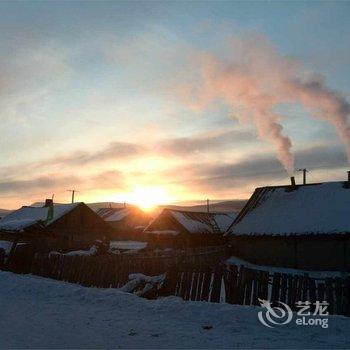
pixel 17 225
pixel 165 232
pixel 197 222
pixel 27 216
pixel 309 209
pixel 114 214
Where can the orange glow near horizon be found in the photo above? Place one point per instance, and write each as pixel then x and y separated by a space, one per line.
pixel 147 198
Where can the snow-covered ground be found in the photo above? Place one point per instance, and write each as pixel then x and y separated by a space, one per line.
pixel 6 245
pixel 134 245
pixel 87 252
pixel 272 269
pixel 43 313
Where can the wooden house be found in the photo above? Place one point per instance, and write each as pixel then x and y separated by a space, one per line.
pixel 70 225
pixel 126 222
pixel 305 226
pixel 179 228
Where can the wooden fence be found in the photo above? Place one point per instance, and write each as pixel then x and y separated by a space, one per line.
pixel 240 285
pixel 111 270
pixel 195 275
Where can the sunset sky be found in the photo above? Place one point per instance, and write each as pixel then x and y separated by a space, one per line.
pixel 164 99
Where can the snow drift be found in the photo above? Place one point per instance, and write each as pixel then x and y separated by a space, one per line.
pixel 42 313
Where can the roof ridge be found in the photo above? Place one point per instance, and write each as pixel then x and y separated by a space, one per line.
pixel 199 212
pixel 303 185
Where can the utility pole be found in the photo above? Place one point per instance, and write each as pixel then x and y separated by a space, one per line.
pixel 304 175
pixel 207 205
pixel 73 193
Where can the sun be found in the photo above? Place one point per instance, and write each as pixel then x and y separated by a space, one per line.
pixel 147 198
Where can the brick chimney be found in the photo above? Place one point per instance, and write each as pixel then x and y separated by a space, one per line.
pixel 292 180
pixel 48 203
pixel 347 183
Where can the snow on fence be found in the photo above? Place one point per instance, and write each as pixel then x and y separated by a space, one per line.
pixel 245 286
pixel 111 270
pixel 200 276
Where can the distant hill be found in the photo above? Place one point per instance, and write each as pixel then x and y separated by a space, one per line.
pixel 93 206
pixel 98 205
pixel 232 206
pixel 4 212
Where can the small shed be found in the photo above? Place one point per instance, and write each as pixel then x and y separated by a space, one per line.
pixel 299 226
pixel 179 228
pixel 126 222
pixel 70 225
pixel 31 231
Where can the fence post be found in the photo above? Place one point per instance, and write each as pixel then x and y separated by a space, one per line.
pixel 312 292
pixel 194 289
pixel 283 295
pixel 169 286
pixel 256 286
pixel 241 285
pixel 216 290
pixel 249 287
pixel 276 284
pixel 206 284
pixel 329 295
pixel 230 283
pixel 338 295
pixel 304 294
pixel 346 297
pixel 2 258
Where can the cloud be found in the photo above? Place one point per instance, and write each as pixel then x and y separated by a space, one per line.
pixel 206 142
pixel 113 151
pixel 32 71
pixel 252 171
pixel 243 72
pixel 322 156
pixel 248 80
pixel 110 179
pixel 219 175
pixel 57 182
pixel 152 58
pixel 41 183
pixel 198 178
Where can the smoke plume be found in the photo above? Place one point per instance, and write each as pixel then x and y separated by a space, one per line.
pixel 253 79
